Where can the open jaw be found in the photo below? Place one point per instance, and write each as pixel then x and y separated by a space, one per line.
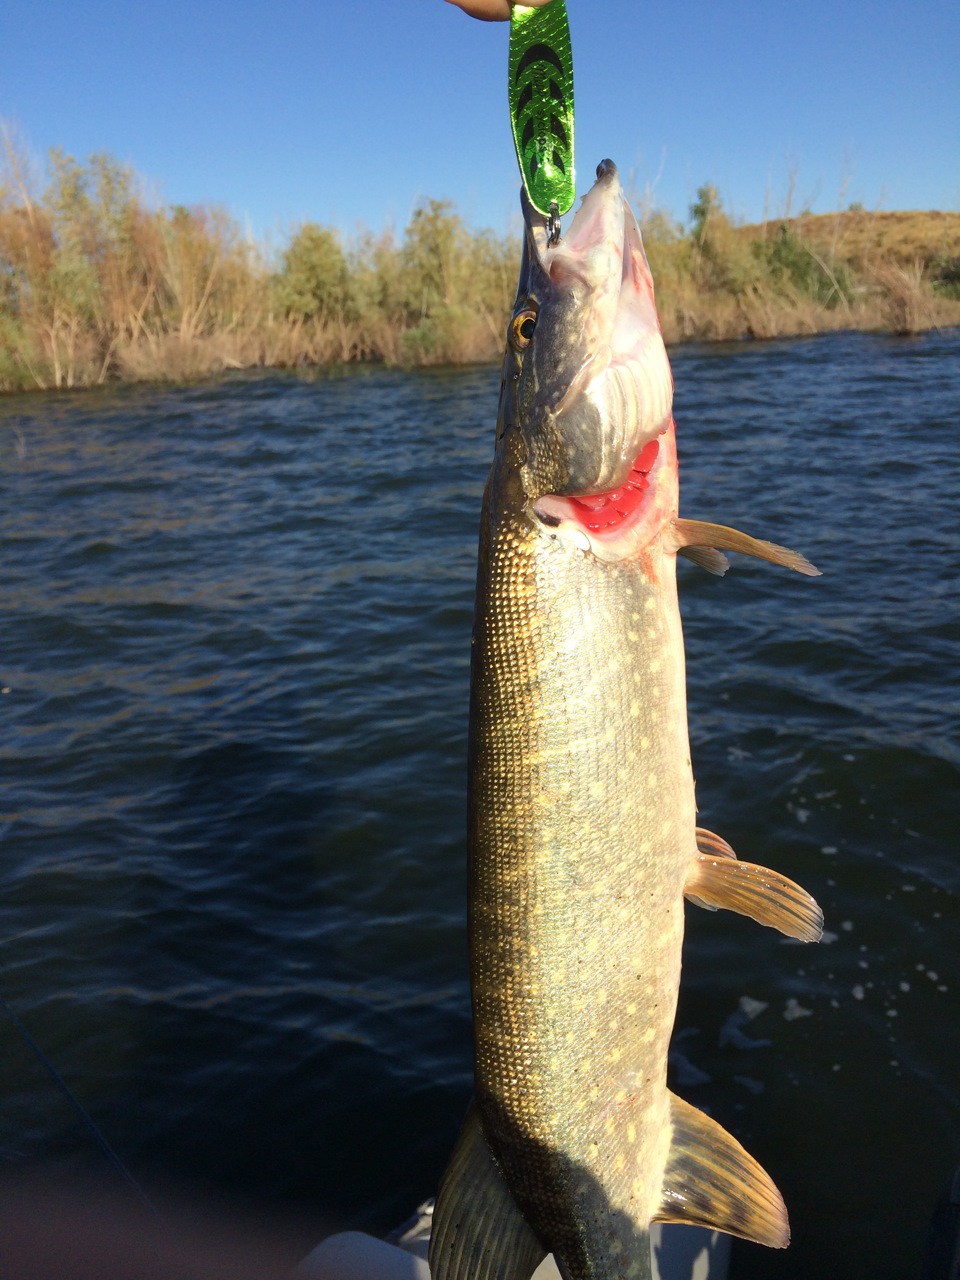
pixel 618 522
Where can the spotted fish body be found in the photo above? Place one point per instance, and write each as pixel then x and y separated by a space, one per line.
pixel 582 822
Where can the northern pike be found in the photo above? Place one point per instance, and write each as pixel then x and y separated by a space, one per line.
pixel 583 836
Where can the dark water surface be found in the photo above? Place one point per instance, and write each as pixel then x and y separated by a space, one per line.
pixel 234 641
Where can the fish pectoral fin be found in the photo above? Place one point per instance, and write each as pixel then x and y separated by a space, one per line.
pixel 717 880
pixel 710 1181
pixel 478 1231
pixel 708 558
pixel 685 534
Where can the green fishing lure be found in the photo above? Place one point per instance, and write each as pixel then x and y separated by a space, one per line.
pixel 541 104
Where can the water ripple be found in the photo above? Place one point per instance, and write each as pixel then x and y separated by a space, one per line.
pixel 232 771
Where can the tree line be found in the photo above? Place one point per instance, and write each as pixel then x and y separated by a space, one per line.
pixel 97 284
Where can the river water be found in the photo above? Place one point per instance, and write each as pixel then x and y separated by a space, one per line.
pixel 235 625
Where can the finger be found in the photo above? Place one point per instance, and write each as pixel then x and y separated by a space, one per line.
pixel 491 10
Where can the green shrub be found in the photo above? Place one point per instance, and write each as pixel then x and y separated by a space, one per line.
pixel 791 261
pixel 945 276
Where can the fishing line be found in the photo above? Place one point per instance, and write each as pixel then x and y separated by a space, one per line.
pixel 78 1107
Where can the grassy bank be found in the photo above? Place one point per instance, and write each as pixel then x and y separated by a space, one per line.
pixel 97 284
pixel 814 273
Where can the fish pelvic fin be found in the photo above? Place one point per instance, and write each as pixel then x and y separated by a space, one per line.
pixel 710 843
pixel 693 536
pixel 718 878
pixel 478 1231
pixel 710 1181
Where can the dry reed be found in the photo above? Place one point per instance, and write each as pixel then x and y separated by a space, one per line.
pixel 95 284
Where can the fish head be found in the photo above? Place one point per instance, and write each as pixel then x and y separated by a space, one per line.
pixel 587 372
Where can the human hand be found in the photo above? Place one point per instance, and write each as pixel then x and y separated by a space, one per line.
pixel 492 10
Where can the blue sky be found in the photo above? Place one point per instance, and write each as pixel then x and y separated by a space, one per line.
pixel 348 113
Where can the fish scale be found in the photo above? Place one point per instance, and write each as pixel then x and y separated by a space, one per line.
pixel 576 762
pixel 582 825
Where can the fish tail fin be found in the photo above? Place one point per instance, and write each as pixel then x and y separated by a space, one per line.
pixel 692 537
pixel 710 1181
pixel 478 1232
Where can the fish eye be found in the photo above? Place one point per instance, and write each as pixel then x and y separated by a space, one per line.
pixel 522 327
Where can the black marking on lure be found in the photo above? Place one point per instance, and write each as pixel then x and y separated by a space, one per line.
pixel 537 53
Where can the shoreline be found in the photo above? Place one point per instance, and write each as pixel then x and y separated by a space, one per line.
pixel 218 367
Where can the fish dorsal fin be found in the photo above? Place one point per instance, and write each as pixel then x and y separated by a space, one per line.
pixel 700 533
pixel 478 1232
pixel 717 880
pixel 710 1181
